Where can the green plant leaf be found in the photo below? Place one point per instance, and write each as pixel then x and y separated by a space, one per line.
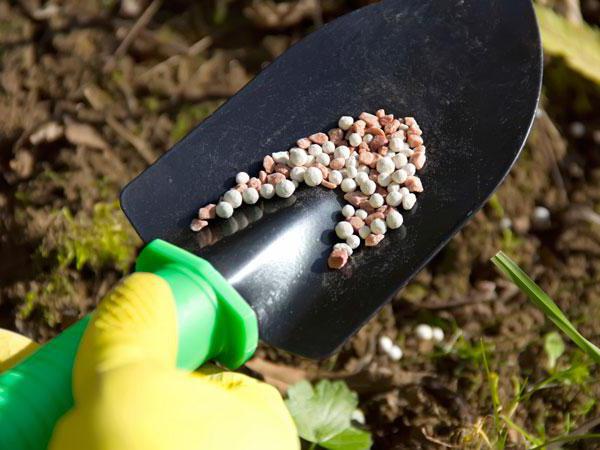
pixel 579 45
pixel 554 346
pixel 545 303
pixel 577 374
pixel 349 439
pixel 570 438
pixel 323 411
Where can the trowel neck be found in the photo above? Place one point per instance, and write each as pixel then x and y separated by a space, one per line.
pixel 214 321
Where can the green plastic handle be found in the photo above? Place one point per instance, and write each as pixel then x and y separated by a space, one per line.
pixel 37 392
pixel 214 322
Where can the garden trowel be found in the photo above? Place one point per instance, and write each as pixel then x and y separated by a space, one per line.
pixel 468 70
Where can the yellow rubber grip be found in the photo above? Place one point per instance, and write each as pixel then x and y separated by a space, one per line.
pixel 129 395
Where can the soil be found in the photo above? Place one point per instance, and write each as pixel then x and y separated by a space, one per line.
pixel 92 92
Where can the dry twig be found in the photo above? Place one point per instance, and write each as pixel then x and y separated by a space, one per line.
pixel 140 24
pixel 139 144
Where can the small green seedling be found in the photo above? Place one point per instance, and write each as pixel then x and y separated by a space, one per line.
pixel 554 346
pixel 323 415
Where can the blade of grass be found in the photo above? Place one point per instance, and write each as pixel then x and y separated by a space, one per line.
pixel 571 438
pixel 519 390
pixel 545 303
pixel 492 377
pixel 532 439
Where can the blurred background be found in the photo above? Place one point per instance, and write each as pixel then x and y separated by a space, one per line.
pixel 91 92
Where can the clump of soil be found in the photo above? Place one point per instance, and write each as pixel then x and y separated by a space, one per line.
pixel 89 99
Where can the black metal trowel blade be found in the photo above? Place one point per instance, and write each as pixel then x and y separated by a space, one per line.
pixel 468 70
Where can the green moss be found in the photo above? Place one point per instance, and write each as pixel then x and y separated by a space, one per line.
pixel 29 303
pixel 152 104
pixel 496 206
pixel 73 246
pixel 104 240
pixel 23 197
pixel 56 289
pixel 106 188
pixel 415 292
pixel 117 76
pixel 221 11
pixel 108 4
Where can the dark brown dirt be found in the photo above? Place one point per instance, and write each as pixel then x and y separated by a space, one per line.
pixel 84 108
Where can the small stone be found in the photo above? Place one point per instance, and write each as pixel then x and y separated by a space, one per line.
pixel 224 210
pixel 353 241
pixel 198 224
pixel 345 122
pixel 267 191
pixel 337 163
pixel 282 169
pixel 418 159
pixel 424 332
pixel 414 141
pixel 356 222
pixel 408 201
pixel 386 119
pixel 386 343
pixel 414 184
pixel 395 353
pixel 254 183
pixel 336 135
pixel 392 127
pixel 355 198
pixel 318 138
pixel 275 178
pixel 370 119
pixel 344 246
pixel 358 127
pixel 280 157
pixel 207 212
pixel 303 143
pixel 374 216
pixel 344 229
pixel 437 334
pixel 242 178
pixel 268 164
pixel 541 216
pixel 285 189
pixel 364 231
pixel 250 196
pixel 366 158
pixel 577 130
pixel 373 239
pixel 378 142
pixel 337 259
